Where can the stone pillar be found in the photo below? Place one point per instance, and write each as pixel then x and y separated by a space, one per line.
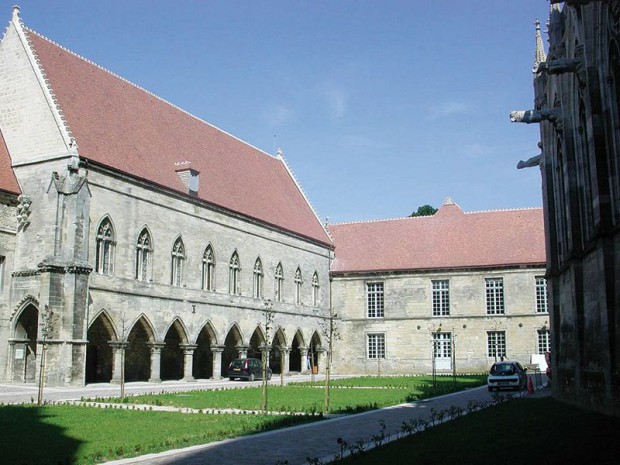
pixel 304 360
pixel 286 354
pixel 217 361
pixel 155 361
pixel 118 354
pixel 242 351
pixel 188 361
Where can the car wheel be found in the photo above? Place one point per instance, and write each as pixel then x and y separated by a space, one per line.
pixel 490 389
pixel 231 378
pixel 268 376
pixel 251 378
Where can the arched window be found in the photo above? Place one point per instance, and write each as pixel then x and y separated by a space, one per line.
pixel 315 289
pixel 104 254
pixel 298 283
pixel 208 269
pixel 279 282
pixel 258 279
pixel 234 275
pixel 178 258
pixel 144 249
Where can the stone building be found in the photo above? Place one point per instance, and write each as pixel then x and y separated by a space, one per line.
pixel 130 227
pixel 135 235
pixel 577 95
pixel 452 291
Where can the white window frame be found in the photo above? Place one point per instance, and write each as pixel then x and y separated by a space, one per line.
pixel 375 346
pixel 542 297
pixel 441 297
pixel 375 299
pixel 543 343
pixel 494 296
pixel 496 344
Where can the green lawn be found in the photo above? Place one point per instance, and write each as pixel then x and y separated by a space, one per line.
pixel 518 432
pixel 65 434
pixel 306 397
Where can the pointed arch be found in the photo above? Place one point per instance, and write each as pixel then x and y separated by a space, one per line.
pixel 315 289
pixel 105 243
pixel 25 332
pixel 298 283
pixel 278 344
pixel 99 356
pixel 208 268
pixel 172 354
pixel 203 355
pixel 257 340
pixel 138 353
pixel 279 282
pixel 144 255
pixel 297 363
pixel 257 288
pixel 314 348
pixel 177 262
pixel 233 347
pixel 234 281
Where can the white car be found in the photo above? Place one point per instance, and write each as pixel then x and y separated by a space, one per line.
pixel 507 375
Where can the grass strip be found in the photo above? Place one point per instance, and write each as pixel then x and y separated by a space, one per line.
pixel 516 432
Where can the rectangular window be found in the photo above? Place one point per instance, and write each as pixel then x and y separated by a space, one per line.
pixel 544 341
pixel 374 300
pixel 496 344
pixel 541 295
pixel 376 346
pixel 441 297
pixel 495 296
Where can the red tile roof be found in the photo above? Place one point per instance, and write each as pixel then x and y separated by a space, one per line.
pixel 122 126
pixel 447 240
pixel 8 182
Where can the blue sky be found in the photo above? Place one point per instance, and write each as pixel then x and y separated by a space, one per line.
pixel 379 106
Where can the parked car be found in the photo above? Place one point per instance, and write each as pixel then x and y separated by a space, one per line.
pixel 507 375
pixel 247 368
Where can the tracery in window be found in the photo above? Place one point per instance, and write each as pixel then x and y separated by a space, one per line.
pixel 104 253
pixel 279 284
pixel 234 274
pixel 258 279
pixel 178 259
pixel 315 289
pixel 298 283
pixel 144 249
pixel 208 269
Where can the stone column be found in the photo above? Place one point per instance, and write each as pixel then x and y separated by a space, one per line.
pixel 118 354
pixel 155 361
pixel 304 360
pixel 286 354
pixel 242 351
pixel 188 361
pixel 217 361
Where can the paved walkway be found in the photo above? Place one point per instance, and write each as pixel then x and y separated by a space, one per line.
pixel 294 445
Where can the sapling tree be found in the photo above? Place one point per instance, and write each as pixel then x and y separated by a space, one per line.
pixel 331 333
pixel 268 314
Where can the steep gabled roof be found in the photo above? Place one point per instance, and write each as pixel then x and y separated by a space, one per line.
pixel 8 181
pixel 447 240
pixel 119 125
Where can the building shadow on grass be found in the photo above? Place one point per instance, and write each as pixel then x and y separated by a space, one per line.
pixel 30 438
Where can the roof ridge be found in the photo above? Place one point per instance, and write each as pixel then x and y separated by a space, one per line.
pixel 280 157
pixel 381 220
pixel 504 210
pixel 167 102
pixel 39 71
